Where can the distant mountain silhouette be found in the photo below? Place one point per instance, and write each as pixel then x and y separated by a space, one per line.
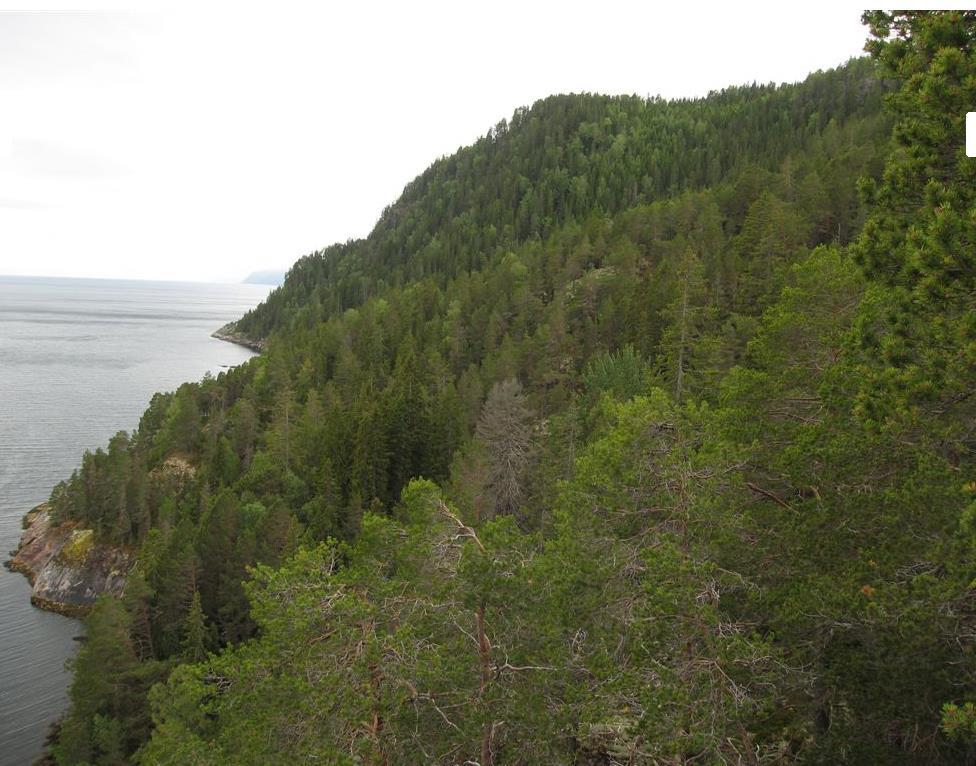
pixel 270 277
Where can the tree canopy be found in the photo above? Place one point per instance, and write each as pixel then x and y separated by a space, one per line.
pixel 638 432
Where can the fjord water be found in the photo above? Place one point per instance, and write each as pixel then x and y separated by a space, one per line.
pixel 79 361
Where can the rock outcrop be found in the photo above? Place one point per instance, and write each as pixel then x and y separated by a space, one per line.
pixel 230 334
pixel 67 568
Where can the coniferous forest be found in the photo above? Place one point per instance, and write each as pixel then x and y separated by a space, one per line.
pixel 637 432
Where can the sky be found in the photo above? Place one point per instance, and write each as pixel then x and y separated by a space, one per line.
pixel 200 146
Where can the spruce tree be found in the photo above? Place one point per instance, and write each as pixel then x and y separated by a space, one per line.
pixel 195 633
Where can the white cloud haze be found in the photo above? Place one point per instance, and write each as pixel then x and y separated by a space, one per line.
pixel 202 146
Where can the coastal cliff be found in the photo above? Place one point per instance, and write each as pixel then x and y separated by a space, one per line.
pixel 67 569
pixel 230 334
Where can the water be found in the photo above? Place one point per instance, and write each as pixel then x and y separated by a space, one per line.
pixel 79 361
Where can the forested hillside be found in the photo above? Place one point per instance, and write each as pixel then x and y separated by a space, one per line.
pixel 572 157
pixel 638 432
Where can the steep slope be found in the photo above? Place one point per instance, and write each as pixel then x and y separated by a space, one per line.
pixel 626 341
pixel 561 160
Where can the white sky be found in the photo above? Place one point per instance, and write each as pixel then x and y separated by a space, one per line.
pixel 202 146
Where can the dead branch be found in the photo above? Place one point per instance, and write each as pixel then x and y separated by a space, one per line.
pixel 464 529
pixel 775 498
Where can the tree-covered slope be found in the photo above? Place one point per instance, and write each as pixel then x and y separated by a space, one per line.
pixel 632 434
pixel 563 159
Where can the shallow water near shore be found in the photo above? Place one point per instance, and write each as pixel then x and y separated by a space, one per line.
pixel 79 361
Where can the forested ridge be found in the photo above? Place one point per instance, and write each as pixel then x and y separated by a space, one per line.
pixel 570 157
pixel 638 432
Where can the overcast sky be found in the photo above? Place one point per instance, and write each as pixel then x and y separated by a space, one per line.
pixel 203 146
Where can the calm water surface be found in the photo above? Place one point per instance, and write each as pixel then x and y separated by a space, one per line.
pixel 79 361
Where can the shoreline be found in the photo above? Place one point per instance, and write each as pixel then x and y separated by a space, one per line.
pixel 57 579
pixel 228 334
pixel 67 570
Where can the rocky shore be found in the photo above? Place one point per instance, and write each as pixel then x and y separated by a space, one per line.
pixel 67 569
pixel 230 334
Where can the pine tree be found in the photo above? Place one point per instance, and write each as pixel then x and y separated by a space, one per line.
pixel 918 240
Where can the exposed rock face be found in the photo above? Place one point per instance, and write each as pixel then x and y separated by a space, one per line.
pixel 66 567
pixel 230 334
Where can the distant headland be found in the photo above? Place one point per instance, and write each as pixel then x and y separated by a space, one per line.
pixel 270 277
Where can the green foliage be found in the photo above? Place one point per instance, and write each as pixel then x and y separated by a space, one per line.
pixel 691 469
pixel 196 637
pixel 959 720
pixel 620 373
pixel 108 718
pixel 917 240
pixel 563 159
